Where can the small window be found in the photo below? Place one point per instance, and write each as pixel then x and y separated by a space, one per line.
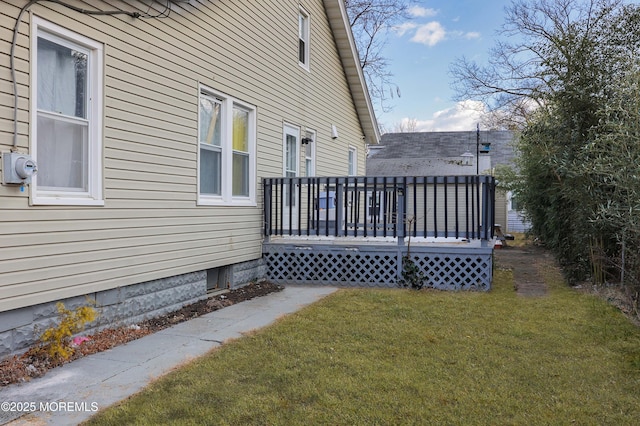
pixel 67 116
pixel 310 154
pixel 353 161
pixel 226 162
pixel 303 38
pixel 514 203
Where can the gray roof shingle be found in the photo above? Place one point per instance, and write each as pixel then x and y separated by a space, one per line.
pixel 437 153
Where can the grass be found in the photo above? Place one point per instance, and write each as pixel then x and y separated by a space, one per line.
pixel 406 357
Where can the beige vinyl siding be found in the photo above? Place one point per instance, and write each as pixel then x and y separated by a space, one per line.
pixel 150 226
pixel 501 210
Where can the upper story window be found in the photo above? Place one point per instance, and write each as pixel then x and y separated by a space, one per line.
pixel 67 116
pixel 226 160
pixel 303 38
pixel 353 161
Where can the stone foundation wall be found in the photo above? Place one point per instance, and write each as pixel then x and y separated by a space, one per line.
pixel 247 272
pixel 20 328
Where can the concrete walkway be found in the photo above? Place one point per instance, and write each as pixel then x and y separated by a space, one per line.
pixel 72 393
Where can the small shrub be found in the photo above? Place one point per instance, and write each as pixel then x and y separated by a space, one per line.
pixel 56 340
pixel 412 276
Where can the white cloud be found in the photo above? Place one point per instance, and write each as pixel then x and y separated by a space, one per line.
pixel 461 34
pixel 403 28
pixel 429 34
pixel 462 117
pixel 421 12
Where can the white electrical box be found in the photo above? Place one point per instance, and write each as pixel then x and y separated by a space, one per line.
pixel 17 168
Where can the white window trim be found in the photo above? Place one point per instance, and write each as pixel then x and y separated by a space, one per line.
pixel 355 161
pixel 226 198
pixel 307 39
pixel 290 129
pixel 94 194
pixel 312 145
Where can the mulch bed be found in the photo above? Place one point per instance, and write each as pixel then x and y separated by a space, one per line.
pixel 36 362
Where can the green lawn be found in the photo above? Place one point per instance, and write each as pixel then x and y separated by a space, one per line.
pixel 405 357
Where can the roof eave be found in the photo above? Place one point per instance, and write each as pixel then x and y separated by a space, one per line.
pixel 339 21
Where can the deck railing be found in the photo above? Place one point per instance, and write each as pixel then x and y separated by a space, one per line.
pixel 461 207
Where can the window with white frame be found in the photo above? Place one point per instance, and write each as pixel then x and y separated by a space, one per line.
pixel 310 154
pixel 353 161
pixel 226 161
pixel 303 38
pixel 67 80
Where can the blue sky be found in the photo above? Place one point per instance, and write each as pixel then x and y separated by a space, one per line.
pixel 420 52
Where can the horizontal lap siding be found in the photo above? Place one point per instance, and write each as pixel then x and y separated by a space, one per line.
pixel 150 226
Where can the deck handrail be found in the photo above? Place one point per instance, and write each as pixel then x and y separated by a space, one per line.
pixel 461 207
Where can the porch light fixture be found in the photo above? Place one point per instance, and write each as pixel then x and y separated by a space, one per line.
pixel 308 138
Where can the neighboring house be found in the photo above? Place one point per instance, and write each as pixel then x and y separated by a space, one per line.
pixel 151 131
pixel 449 154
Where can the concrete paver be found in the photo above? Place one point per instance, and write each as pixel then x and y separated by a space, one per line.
pixel 99 380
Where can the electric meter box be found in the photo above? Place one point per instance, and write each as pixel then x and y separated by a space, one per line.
pixel 17 168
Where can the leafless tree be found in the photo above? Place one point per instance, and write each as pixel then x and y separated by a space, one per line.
pixel 408 125
pixel 370 22
pixel 550 42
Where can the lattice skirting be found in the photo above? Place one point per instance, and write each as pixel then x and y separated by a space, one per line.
pixel 446 268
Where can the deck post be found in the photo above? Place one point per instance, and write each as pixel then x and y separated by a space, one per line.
pixel 267 209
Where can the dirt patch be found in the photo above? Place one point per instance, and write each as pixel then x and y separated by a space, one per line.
pixel 35 362
pixel 525 262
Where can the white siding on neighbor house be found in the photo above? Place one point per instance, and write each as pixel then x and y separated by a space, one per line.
pixel 150 226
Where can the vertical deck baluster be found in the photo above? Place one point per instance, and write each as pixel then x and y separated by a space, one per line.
pixel 346 205
pixel 299 185
pixel 316 206
pixel 375 210
pixel 364 217
pixel 355 207
pixel 446 207
pixel 466 206
pixel 309 211
pixel 424 205
pixel 415 205
pixel 386 206
pixel 456 208
pixel 340 212
pixel 326 207
pixel 435 207
pixel 473 208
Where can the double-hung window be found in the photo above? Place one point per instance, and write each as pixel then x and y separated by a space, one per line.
pixel 67 116
pixel 303 39
pixel 310 154
pixel 226 158
pixel 352 162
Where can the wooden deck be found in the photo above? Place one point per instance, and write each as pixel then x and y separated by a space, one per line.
pixel 354 231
